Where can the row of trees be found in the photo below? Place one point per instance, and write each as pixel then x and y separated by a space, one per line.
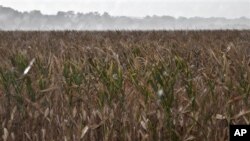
pixel 11 19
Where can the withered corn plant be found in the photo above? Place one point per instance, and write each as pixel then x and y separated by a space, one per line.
pixel 123 85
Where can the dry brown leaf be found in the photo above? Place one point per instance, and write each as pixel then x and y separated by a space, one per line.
pixel 220 117
pixel 5 134
pixel 74 112
pixel 84 131
pixel 241 113
pixel 46 113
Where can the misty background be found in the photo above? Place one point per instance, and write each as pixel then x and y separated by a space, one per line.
pixel 124 14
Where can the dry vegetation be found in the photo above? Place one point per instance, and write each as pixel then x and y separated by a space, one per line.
pixel 158 85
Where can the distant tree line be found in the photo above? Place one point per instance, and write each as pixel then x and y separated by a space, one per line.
pixel 11 19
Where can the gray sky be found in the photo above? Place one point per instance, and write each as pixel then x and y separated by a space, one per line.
pixel 139 8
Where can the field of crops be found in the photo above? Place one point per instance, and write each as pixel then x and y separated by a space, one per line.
pixel 123 85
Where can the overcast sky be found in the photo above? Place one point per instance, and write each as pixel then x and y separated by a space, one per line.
pixel 139 8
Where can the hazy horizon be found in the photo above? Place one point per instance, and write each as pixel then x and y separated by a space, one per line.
pixel 96 19
pixel 137 8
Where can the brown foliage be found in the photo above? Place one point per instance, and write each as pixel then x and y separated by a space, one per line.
pixel 123 85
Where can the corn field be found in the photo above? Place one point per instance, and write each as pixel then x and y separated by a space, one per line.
pixel 123 85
